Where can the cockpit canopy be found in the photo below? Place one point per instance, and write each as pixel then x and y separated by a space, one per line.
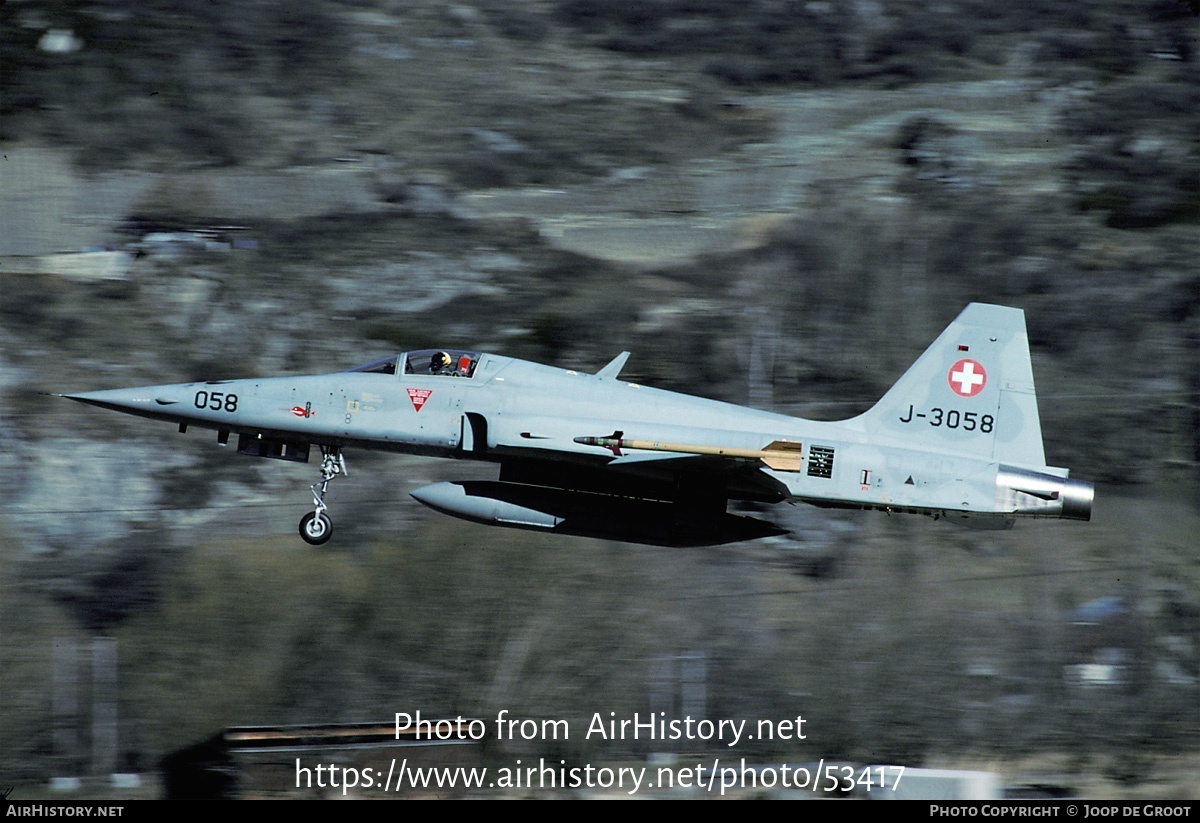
pixel 448 362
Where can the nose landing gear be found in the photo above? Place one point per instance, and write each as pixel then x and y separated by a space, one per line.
pixel 316 527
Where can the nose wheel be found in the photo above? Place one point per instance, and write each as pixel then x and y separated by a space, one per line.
pixel 316 527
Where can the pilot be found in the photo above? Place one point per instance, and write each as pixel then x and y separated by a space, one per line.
pixel 441 363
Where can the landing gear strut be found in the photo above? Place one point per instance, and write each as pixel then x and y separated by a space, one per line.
pixel 316 527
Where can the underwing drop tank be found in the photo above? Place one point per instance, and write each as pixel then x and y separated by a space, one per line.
pixel 584 514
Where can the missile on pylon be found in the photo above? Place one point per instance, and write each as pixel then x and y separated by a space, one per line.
pixel 781 455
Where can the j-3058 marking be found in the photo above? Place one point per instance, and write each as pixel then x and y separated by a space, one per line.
pixel 952 419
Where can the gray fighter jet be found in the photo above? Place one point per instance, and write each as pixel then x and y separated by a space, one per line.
pixel 957 437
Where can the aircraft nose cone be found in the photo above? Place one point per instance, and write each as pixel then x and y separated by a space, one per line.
pixel 162 402
pixel 119 399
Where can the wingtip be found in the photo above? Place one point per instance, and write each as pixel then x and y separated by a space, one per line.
pixel 614 366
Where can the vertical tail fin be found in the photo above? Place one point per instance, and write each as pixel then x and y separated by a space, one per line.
pixel 971 392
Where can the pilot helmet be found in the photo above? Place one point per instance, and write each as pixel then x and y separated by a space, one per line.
pixel 441 360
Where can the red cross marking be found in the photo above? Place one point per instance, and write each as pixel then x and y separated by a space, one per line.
pixel 967 378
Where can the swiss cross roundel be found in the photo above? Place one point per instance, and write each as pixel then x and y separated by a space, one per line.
pixel 967 378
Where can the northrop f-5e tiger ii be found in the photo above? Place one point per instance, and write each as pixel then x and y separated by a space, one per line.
pixel 957 437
